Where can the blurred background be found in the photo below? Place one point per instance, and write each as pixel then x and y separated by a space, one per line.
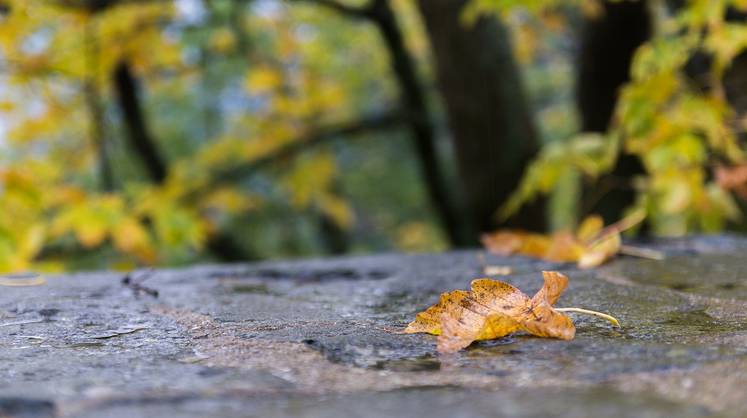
pixel 165 132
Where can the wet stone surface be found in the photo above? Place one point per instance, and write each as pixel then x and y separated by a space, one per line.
pixel 318 338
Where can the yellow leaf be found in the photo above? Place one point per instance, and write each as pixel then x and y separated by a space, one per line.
pixel 263 80
pixel 589 247
pixel 590 228
pixel 337 209
pixel 310 179
pixel 493 309
pixel 600 251
pixel 7 106
pixel 91 233
pixel 229 200
pixel 222 40
pixel 131 237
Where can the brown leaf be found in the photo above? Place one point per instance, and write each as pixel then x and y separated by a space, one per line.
pixel 493 309
pixel 560 247
pixel 732 178
pixel 590 246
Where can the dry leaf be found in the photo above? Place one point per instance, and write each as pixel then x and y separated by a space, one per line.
pixel 493 309
pixel 732 178
pixel 590 246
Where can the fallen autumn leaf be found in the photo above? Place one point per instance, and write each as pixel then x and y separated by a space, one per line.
pixel 591 245
pixel 493 309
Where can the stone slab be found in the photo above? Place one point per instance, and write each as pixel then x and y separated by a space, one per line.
pixel 318 338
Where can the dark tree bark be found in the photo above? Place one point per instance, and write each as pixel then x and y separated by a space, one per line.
pixel 138 136
pixel 98 135
pixel 222 245
pixel 490 121
pixel 376 123
pixel 95 108
pixel 607 47
pixel 420 121
pixel 334 238
pixel 735 77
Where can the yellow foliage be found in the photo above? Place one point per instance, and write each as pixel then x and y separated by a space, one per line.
pixel 229 200
pixel 308 177
pixel 222 40
pixel 418 236
pixel 675 129
pixel 263 80
pixel 337 209
pixel 59 55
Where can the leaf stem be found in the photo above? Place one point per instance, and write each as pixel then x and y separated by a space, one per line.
pixel 611 319
pixel 641 252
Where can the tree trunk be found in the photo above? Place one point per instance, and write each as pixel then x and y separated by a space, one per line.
pixel 222 245
pixel 490 121
pixel 98 135
pixel 607 47
pixel 95 108
pixel 139 137
pixel 334 238
pixel 420 121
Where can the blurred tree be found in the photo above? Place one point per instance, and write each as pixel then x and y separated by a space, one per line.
pixel 414 106
pixel 608 41
pixel 153 131
pixel 174 193
pixel 679 131
pixel 492 129
pixel 138 135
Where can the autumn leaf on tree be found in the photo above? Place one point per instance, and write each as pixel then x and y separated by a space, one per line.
pixel 590 246
pixel 494 309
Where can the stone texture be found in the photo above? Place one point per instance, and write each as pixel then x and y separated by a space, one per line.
pixel 318 338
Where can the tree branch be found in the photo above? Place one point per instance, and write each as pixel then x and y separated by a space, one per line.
pixel 413 99
pixel 364 125
pixel 95 108
pixel 222 245
pixel 344 9
pixel 95 6
pixel 125 84
pixel 97 132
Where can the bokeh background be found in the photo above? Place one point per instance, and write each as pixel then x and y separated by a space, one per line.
pixel 165 132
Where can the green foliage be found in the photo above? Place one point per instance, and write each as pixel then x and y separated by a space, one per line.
pixel 222 87
pixel 590 154
pixel 235 82
pixel 677 129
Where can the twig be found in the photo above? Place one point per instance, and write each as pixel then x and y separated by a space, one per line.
pixel 619 226
pixel 364 125
pixel 641 252
pixel 361 12
pixel 609 318
pixel 135 283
